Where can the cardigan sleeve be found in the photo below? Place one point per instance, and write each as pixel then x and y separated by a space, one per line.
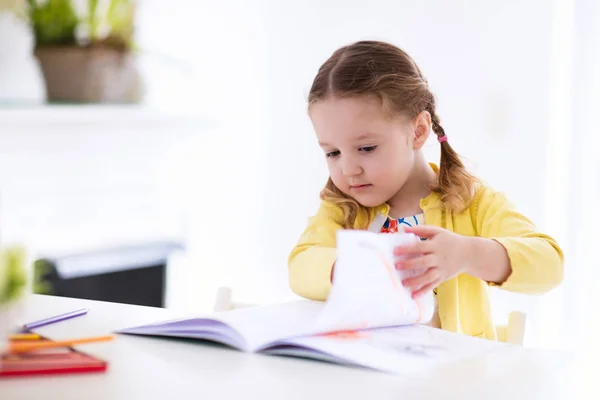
pixel 536 259
pixel 310 262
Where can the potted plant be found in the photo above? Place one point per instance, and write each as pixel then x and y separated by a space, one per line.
pixel 85 49
pixel 13 282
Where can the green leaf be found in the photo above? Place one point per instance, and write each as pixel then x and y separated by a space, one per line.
pixel 40 284
pixel 54 22
pixel 13 274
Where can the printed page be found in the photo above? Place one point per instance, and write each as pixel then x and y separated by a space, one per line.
pixel 367 290
pixel 398 350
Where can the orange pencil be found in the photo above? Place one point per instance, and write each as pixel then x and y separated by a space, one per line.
pixel 26 347
pixel 24 336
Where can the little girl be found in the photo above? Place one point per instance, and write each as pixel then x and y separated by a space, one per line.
pixel 372 111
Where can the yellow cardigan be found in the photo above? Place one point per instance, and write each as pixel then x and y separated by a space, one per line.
pixel 463 301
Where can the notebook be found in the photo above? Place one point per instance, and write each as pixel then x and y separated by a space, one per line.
pixel 369 319
pixel 49 362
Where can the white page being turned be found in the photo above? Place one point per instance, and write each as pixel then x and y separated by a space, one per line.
pixel 367 290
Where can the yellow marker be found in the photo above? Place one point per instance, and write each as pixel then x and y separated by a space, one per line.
pixel 24 336
pixel 25 347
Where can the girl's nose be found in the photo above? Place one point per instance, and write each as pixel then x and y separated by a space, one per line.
pixel 350 168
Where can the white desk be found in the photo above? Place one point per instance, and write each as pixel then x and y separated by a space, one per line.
pixel 151 368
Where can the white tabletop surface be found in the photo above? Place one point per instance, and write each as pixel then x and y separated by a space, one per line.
pixel 152 368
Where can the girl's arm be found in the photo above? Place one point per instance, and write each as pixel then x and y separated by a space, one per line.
pixel 310 263
pixel 535 261
pixel 489 260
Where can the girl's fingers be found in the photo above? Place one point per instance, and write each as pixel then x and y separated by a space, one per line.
pixel 424 290
pixel 420 247
pixel 424 231
pixel 417 282
pixel 417 263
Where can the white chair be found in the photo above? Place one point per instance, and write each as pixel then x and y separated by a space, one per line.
pixel 513 332
pixel 224 300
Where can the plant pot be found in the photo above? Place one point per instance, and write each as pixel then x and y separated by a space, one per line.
pixel 96 74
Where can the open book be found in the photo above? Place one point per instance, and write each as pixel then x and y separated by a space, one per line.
pixel 369 319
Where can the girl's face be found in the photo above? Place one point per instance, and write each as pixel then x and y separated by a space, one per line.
pixel 369 155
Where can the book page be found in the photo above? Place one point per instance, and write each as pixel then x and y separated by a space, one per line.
pixel 244 328
pixel 367 290
pixel 260 325
pixel 398 350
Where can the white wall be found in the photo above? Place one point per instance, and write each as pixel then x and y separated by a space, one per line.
pixel 75 178
pixel 583 188
pixel 221 51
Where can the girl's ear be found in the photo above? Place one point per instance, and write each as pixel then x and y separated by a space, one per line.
pixel 422 127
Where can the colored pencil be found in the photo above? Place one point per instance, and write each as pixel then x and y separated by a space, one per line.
pixel 54 319
pixel 24 336
pixel 26 347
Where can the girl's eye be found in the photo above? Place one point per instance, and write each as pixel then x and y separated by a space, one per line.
pixel 367 149
pixel 332 154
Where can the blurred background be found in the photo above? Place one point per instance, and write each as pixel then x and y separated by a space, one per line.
pixel 153 151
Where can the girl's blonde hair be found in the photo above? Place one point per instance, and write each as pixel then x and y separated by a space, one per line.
pixel 390 74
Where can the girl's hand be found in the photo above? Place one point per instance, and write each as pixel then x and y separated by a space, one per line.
pixel 443 256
